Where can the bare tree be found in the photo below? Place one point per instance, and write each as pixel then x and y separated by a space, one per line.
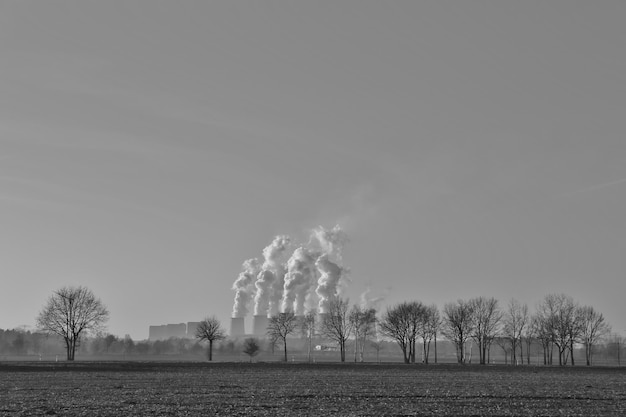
pixel 515 322
pixel 108 341
pixel 368 329
pixel 565 329
pixel 558 325
pixel 210 329
pixel 308 330
pixel 528 336
pixel 335 324
pixel 281 326
pixel 70 313
pixel 128 345
pixel 541 325
pixel 273 343
pixel 594 328
pixel 377 343
pixel 428 330
pixel 362 322
pixel 458 324
pixel 402 323
pixel 486 317
pixel 395 324
pixel 251 347
pixel 505 344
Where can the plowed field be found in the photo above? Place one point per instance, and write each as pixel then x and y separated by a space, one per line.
pixel 292 389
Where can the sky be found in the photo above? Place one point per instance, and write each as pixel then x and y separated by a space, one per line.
pixel 467 149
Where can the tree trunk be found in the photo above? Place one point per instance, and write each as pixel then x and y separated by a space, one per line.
pixel 309 347
pixel 285 348
pixel 210 350
pixel 67 349
pixel 405 354
pixel 483 354
pixel 362 354
pixel 71 348
pixel 514 351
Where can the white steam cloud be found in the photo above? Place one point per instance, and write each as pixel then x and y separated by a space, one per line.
pixel 301 276
pixel 270 281
pixel 368 302
pixel 244 287
pixel 311 275
pixel 328 284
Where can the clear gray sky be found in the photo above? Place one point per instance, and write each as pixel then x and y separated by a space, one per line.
pixel 148 148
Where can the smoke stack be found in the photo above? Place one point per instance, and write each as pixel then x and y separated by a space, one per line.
pixel 259 325
pixel 237 327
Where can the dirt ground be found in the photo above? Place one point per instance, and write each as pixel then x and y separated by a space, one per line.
pixel 295 389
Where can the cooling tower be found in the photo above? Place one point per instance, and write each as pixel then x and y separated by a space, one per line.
pixel 178 330
pixel 299 323
pixel 319 322
pixel 192 326
pixel 237 327
pixel 259 325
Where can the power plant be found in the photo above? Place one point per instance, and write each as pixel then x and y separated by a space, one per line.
pixel 304 281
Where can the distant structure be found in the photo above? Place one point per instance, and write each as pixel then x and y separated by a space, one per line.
pixel 191 329
pixel 259 325
pixel 237 327
pixel 167 331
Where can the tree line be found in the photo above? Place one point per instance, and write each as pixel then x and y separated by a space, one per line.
pixel 558 324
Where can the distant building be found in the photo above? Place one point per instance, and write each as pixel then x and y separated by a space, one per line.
pixel 237 328
pixel 191 329
pixel 167 331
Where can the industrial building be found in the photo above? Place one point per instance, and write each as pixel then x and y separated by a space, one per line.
pixel 168 331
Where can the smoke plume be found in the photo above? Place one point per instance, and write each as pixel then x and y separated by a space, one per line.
pixel 331 243
pixel 300 277
pixel 244 288
pixel 270 281
pixel 368 302
pixel 312 275
pixel 327 285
